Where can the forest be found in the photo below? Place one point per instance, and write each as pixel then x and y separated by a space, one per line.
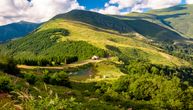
pixel 43 47
pixel 144 86
pixel 181 50
pixel 61 53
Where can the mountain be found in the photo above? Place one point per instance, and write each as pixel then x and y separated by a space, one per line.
pixel 66 39
pixel 124 26
pixel 96 19
pixel 16 30
pixel 177 18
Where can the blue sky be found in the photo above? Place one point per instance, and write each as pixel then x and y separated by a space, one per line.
pixel 91 4
pixel 126 6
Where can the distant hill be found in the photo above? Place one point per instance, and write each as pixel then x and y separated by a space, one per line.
pixel 15 30
pixel 177 18
pixel 146 28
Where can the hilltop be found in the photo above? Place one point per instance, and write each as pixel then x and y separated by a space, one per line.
pixel 123 26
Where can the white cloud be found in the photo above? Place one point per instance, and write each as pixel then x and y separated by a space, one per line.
pixel 136 5
pixel 34 11
pixel 189 1
pixel 42 10
pixel 108 9
pixel 158 4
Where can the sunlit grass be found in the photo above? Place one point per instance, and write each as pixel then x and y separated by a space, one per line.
pixel 79 31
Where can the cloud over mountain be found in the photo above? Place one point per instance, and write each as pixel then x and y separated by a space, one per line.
pixel 34 10
pixel 43 10
pixel 125 6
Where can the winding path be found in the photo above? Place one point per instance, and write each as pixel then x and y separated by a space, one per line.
pixel 77 64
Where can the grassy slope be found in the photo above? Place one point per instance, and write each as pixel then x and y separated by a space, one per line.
pixel 96 19
pixel 173 17
pixel 78 31
pixel 124 26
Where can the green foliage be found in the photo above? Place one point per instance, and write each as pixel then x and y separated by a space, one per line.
pixel 181 50
pixel 8 65
pixel 96 105
pixel 160 92
pixel 142 67
pixel 30 78
pixel 52 103
pixel 41 48
pixel 80 49
pixel 49 101
pixel 58 78
pixel 44 51
pixel 5 84
pixel 37 40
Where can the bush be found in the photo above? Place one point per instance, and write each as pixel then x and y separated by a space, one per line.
pixel 30 78
pixel 49 101
pixel 5 84
pixel 60 79
pixel 8 65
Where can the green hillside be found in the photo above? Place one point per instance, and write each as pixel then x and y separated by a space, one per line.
pixel 96 19
pixel 124 26
pixel 50 42
pixel 178 19
pixel 44 47
pixel 172 17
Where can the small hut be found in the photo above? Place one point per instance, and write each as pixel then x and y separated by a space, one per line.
pixel 95 57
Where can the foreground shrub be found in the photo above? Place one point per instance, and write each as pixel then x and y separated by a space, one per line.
pixel 8 65
pixel 5 84
pixel 30 78
pixel 50 101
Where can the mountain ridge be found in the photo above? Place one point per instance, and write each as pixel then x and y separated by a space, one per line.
pixel 15 30
pixel 122 26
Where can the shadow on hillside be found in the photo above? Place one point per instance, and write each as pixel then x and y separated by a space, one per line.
pixel 171 16
pixel 83 86
pixel 153 30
